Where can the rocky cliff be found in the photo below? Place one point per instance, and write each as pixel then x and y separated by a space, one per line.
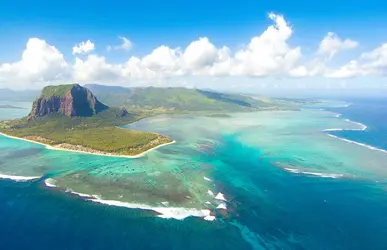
pixel 69 100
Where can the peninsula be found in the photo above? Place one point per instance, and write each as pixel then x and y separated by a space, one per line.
pixel 10 107
pixel 70 117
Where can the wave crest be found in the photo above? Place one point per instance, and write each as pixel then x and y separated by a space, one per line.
pixel 323 175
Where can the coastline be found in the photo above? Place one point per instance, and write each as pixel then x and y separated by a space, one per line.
pixel 47 146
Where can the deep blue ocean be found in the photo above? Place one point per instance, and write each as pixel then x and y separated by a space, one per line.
pixel 296 216
pixel 373 113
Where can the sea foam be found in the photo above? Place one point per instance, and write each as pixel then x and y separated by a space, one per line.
pixel 207 179
pixel 81 194
pixel 323 175
pixel 359 143
pixel 363 127
pixel 18 178
pixel 220 196
pixel 221 206
pixel 50 182
pixel 178 213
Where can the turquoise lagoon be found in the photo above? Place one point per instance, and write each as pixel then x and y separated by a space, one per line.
pixel 268 180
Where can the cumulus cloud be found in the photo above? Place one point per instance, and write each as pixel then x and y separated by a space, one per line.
pixel 40 63
pixel 269 53
pixel 95 69
pixel 369 63
pixel 200 53
pixel 83 47
pixel 126 44
pixel 333 44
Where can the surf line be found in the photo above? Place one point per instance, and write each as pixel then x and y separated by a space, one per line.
pixel 363 127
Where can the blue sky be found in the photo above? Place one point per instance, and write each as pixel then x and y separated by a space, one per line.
pixel 177 24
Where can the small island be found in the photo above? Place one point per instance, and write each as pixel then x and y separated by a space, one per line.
pixel 70 117
pixel 10 107
pixel 219 115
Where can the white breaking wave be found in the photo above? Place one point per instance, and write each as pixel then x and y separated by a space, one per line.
pixel 207 179
pixel 178 213
pixel 324 175
pixel 209 218
pixel 18 178
pixel 363 127
pixel 50 182
pixel 210 193
pixel 220 196
pixel 333 129
pixel 81 194
pixel 221 206
pixel 359 143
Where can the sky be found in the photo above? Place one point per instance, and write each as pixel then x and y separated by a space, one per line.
pixel 247 46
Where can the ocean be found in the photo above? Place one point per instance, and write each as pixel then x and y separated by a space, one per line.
pixel 314 179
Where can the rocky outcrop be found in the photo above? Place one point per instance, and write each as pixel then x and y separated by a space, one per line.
pixel 69 100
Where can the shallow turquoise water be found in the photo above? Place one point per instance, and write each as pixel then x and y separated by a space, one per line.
pixel 14 113
pixel 288 186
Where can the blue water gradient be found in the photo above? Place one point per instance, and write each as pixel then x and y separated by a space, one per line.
pixel 268 208
pixel 372 113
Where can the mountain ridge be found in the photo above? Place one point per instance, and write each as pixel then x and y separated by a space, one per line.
pixel 173 98
pixel 70 100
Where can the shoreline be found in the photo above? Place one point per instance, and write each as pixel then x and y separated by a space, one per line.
pixel 47 146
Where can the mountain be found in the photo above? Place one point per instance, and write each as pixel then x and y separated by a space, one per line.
pixel 70 100
pixel 18 96
pixel 70 117
pixel 180 99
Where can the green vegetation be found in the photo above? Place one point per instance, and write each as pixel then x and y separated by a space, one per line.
pixel 182 100
pixel 81 122
pixel 99 132
pixel 174 99
pixel 58 91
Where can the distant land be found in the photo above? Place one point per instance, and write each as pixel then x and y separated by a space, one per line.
pixel 180 100
pixel 70 117
pixel 18 96
pixel 10 107
pixel 88 119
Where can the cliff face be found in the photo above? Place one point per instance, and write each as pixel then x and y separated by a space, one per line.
pixel 69 100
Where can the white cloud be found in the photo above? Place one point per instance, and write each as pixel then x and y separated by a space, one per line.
pixel 199 54
pixel 333 44
pixel 267 54
pixel 40 63
pixel 162 59
pixel 83 47
pixel 95 69
pixel 369 63
pixel 126 44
